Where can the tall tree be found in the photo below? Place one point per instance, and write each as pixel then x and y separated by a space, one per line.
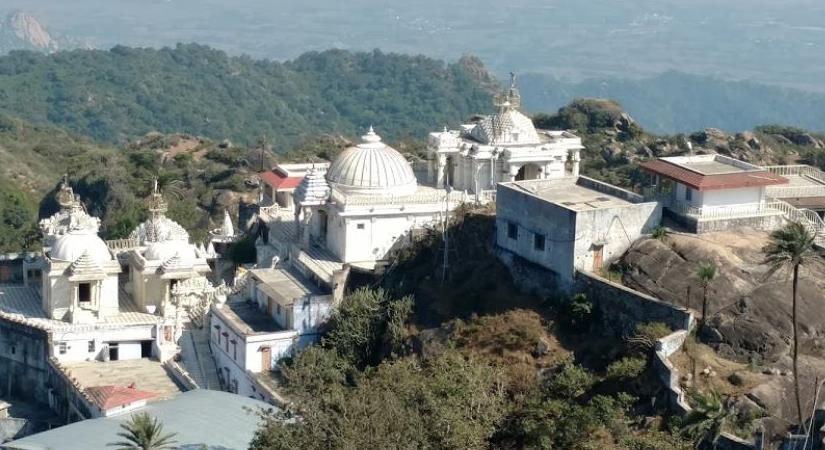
pixel 706 273
pixel 792 247
pixel 144 432
pixel 705 422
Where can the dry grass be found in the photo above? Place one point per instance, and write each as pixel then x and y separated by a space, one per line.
pixel 699 357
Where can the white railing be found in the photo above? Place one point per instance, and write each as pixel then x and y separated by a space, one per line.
pixel 401 200
pixel 122 244
pixel 723 211
pixel 798 170
pixel 796 191
pixel 809 218
pixel 486 196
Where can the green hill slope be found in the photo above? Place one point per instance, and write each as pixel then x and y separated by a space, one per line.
pixel 126 92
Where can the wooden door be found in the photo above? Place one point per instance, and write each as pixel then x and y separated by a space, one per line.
pixel 266 359
pixel 270 306
pixel 598 258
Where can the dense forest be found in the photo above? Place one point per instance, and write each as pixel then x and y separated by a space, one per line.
pixel 122 93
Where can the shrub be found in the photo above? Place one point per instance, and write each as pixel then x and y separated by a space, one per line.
pixel 570 382
pixel 577 314
pixel 626 368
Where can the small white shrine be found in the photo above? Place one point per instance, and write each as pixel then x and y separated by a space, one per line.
pixel 502 147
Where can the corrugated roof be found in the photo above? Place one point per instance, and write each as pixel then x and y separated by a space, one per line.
pixel 703 182
pixel 200 417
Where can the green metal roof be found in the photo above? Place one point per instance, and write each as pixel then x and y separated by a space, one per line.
pixel 202 419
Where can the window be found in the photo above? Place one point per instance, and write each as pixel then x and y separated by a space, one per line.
pixel 226 342
pixel 278 309
pixel 61 348
pixel 13 349
pixel 91 346
pixel 84 293
pixel 538 242
pixel 688 194
pixel 234 349
pixel 360 226
pixel 512 231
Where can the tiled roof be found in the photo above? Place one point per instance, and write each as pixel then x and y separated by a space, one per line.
pixel 108 397
pixel 279 181
pixel 703 182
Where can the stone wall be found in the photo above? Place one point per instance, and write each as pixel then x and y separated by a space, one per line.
pixel 622 308
pixel 23 353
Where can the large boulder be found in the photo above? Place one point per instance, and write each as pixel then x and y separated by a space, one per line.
pixel 749 315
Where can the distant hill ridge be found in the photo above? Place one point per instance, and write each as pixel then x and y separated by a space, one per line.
pixel 675 102
pixel 125 92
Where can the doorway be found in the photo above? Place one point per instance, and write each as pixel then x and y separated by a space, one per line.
pixel 84 294
pixel 598 258
pixel 266 359
pixel 145 349
pixel 528 172
pixel 113 351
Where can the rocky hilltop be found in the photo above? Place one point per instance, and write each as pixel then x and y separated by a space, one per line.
pixel 23 31
pixel 750 309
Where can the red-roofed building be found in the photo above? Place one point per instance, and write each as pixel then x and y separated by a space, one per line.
pixel 714 192
pixel 280 182
pixel 111 400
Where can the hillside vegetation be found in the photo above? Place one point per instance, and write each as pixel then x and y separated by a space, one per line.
pixel 123 93
pixel 200 177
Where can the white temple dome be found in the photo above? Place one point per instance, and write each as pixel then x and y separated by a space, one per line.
pixel 373 168
pixel 72 245
pixel 163 251
pixel 159 229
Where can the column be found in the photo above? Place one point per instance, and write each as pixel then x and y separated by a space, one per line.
pixel 513 171
pixel 440 170
pixel 576 161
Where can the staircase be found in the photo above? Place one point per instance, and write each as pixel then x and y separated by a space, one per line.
pixel 196 358
pixel 811 220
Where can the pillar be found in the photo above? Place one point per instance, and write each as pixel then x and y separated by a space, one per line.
pixel 576 161
pixel 513 171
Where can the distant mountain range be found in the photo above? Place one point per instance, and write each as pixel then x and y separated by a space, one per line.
pixel 676 102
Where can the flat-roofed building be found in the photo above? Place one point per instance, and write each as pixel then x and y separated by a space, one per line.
pixel 714 192
pixel 571 223
pixel 280 312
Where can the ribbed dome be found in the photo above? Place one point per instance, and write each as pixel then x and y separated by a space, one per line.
pixel 72 245
pixel 372 167
pixel 166 250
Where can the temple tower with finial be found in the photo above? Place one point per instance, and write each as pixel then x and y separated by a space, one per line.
pixel 504 146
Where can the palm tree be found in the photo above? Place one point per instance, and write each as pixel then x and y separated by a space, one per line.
pixel 706 273
pixel 705 422
pixel 144 432
pixel 791 247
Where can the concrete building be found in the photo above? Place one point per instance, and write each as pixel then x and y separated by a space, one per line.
pixel 714 192
pixel 502 147
pixel 570 224
pixel 278 313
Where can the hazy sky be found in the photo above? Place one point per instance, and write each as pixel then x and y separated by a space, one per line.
pixel 778 42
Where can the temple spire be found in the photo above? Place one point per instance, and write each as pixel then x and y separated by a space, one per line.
pixel 157 205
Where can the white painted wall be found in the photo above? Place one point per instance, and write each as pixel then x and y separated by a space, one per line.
pixel 376 237
pixel 732 196
pixel 77 343
pixel 615 228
